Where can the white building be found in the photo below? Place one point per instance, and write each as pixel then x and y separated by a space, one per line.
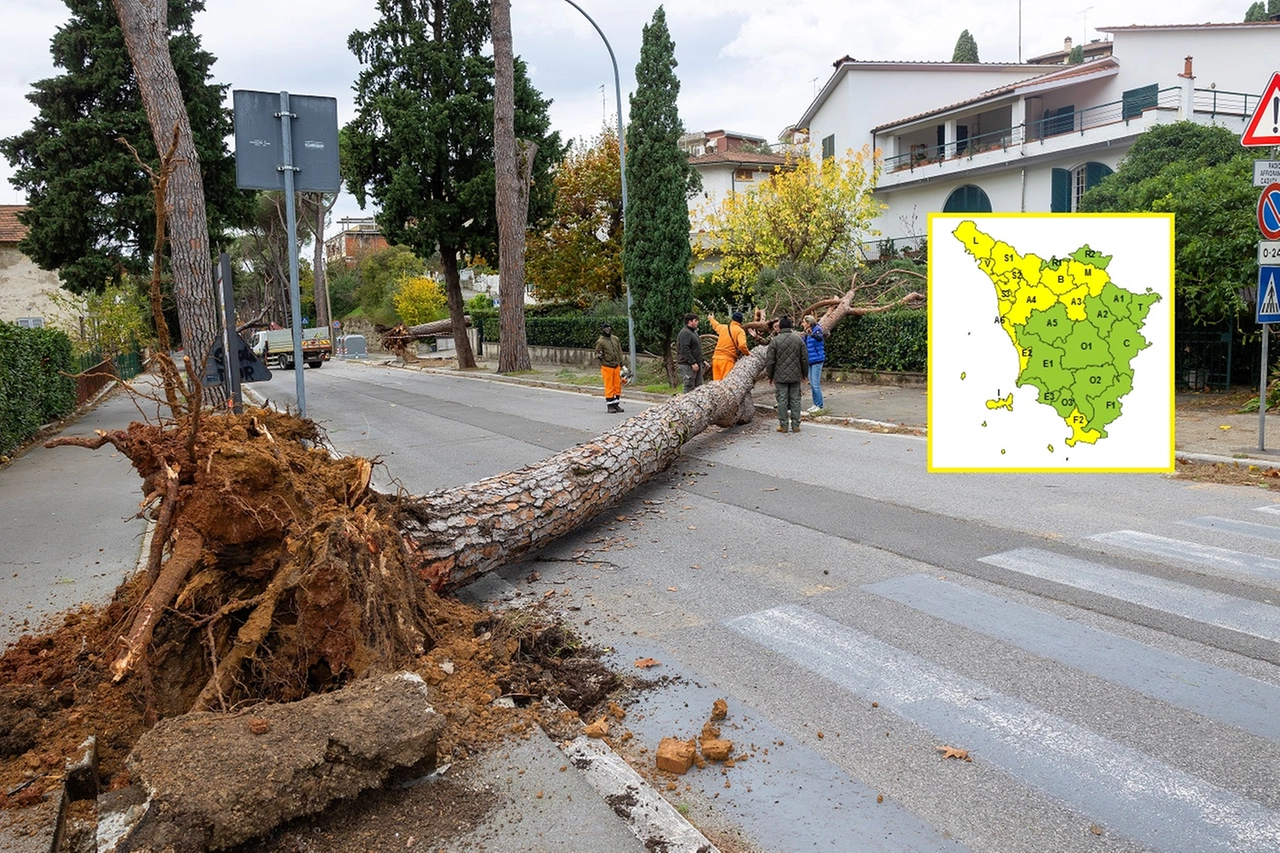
pixel 1031 138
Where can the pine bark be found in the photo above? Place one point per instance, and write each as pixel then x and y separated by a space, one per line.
pixel 512 209
pixel 456 534
pixel 146 35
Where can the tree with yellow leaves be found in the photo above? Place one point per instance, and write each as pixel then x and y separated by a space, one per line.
pixel 807 214
pixel 419 300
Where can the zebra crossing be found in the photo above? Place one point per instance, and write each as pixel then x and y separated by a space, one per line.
pixel 1143 798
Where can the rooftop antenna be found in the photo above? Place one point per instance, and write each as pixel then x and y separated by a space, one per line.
pixel 604 117
pixel 1019 32
pixel 1084 15
pixel 814 84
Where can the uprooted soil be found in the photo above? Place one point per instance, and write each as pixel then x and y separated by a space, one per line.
pixel 277 573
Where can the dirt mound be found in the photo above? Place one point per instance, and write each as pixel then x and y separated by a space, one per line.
pixel 275 573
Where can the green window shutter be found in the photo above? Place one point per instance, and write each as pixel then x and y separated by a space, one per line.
pixel 1134 101
pixel 828 147
pixel 1094 173
pixel 967 199
pixel 1060 198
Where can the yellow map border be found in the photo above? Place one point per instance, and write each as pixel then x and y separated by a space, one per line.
pixel 932 355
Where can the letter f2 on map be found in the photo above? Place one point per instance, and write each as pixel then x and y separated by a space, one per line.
pixel 1051 342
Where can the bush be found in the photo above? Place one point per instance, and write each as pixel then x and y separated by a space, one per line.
pixel 34 387
pixel 893 341
pixel 577 331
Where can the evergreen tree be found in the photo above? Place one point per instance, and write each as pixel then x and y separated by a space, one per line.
pixel 657 255
pixel 1257 12
pixel 91 211
pixel 1076 56
pixel 421 144
pixel 966 49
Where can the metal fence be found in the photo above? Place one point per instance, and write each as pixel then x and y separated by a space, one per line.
pixel 93 372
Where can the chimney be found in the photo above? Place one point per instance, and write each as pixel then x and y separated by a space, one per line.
pixel 1186 69
pixel 1066 44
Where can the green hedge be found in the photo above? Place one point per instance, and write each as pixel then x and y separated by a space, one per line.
pixel 34 389
pixel 896 341
pixel 577 331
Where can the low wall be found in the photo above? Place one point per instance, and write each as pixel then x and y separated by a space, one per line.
pixel 877 377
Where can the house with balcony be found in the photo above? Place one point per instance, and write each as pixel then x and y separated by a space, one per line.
pixel 961 137
pixel 356 237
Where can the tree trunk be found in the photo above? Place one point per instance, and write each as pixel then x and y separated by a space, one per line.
pixel 321 291
pixel 457 308
pixel 144 24
pixel 454 535
pixel 512 196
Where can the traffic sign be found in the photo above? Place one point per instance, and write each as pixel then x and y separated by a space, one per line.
pixel 1268 300
pixel 1269 212
pixel 1268 254
pixel 1266 172
pixel 1264 127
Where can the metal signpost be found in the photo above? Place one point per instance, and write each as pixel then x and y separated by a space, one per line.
pixel 1263 130
pixel 267 158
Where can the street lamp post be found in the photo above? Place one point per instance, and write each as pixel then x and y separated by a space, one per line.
pixel 622 160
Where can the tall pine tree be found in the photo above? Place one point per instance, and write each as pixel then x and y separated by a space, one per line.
pixel 421 144
pixel 657 256
pixel 91 212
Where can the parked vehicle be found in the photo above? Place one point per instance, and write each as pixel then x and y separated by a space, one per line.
pixel 275 347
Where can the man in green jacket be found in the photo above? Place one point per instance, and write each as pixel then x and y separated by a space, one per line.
pixel 609 354
pixel 786 362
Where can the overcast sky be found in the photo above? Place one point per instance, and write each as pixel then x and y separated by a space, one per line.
pixel 746 65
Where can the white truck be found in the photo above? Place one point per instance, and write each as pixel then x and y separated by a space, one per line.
pixel 275 347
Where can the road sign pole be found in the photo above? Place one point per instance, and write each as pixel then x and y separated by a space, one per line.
pixel 1262 392
pixel 230 339
pixel 291 225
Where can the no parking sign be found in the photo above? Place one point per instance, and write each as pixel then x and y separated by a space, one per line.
pixel 1269 212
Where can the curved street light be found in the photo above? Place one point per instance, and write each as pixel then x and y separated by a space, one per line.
pixel 622 160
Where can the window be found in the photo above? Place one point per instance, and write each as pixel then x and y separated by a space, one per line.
pixel 744 175
pixel 30 322
pixel 967 199
pixel 1135 101
pixel 828 147
pixel 1068 185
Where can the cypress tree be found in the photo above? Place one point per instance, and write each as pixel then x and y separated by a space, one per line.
pixel 966 49
pixel 657 256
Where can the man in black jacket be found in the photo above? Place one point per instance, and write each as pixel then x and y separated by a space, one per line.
pixel 689 353
pixel 787 364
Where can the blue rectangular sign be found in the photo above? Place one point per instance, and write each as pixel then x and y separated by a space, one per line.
pixel 1268 298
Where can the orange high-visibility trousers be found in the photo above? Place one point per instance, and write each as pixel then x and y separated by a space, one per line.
pixel 612 377
pixel 720 366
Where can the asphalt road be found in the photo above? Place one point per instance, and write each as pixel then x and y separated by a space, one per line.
pixel 1105 647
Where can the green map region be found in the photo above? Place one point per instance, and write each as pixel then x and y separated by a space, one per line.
pixel 1075 331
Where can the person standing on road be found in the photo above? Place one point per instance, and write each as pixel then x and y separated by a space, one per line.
pixel 815 340
pixel 786 362
pixel 609 354
pixel 731 343
pixel 689 353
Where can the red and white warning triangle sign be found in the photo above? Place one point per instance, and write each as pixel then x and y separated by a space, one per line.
pixel 1264 127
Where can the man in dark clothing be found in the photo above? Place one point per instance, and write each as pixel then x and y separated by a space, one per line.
pixel 786 363
pixel 609 354
pixel 689 353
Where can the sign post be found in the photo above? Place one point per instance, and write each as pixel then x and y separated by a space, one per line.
pixel 1268 312
pixel 267 159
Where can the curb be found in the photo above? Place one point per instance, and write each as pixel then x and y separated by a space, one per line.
pixel 1237 461
pixel 650 817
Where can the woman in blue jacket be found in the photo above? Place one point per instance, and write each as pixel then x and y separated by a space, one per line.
pixel 815 339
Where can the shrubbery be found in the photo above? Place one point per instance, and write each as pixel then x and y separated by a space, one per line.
pixel 34 387
pixel 893 341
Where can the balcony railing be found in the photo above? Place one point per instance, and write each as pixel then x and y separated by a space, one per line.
pixel 1061 124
